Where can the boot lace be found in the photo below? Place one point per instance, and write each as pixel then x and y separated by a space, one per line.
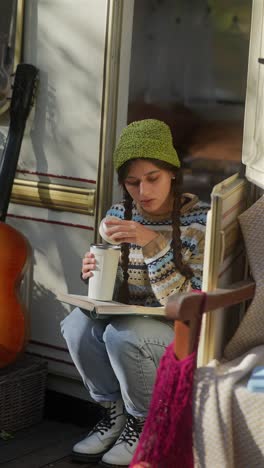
pixel 132 430
pixel 107 421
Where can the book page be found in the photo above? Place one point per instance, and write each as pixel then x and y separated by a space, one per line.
pixel 107 308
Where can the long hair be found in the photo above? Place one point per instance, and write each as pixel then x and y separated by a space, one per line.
pixel 176 244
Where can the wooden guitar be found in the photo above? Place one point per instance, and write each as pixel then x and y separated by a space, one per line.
pixel 14 248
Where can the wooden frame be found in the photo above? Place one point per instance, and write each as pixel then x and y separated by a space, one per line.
pixel 185 310
pixel 224 251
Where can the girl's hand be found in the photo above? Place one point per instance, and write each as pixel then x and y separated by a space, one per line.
pixel 120 231
pixel 88 264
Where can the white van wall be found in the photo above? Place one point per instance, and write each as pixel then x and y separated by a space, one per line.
pixel 61 149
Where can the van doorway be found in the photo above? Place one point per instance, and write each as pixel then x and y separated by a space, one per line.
pixel 189 68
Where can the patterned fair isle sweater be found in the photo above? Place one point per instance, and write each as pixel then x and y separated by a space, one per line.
pixel 153 276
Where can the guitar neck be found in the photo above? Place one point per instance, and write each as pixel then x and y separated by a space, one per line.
pixel 8 167
pixel 26 78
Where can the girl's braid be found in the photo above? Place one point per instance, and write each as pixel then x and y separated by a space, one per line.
pixel 176 233
pixel 124 291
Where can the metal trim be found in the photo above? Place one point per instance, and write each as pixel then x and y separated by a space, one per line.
pixel 109 109
pixel 53 197
pixel 19 31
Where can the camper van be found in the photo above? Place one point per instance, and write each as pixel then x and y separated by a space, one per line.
pixel 197 65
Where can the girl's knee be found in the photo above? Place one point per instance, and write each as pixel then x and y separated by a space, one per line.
pixel 119 335
pixel 70 321
pixel 125 335
pixel 74 326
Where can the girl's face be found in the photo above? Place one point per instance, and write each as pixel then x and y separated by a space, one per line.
pixel 149 186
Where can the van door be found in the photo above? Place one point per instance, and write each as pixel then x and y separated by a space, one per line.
pixel 240 198
pixel 64 175
pixel 253 142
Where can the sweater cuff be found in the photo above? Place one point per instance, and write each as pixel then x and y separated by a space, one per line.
pixel 155 246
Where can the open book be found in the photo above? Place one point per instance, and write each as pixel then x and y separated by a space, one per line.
pixel 103 308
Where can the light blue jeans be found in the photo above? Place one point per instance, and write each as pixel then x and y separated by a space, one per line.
pixel 118 357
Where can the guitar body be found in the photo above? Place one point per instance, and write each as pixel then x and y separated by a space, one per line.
pixel 14 329
pixel 14 248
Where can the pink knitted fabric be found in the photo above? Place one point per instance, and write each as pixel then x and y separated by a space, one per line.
pixel 166 440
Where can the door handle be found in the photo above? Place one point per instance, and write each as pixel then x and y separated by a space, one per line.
pixel 261 60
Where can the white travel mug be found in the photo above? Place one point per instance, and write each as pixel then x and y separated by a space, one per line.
pixel 101 284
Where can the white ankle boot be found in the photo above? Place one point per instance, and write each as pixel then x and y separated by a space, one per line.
pixel 103 435
pixel 121 454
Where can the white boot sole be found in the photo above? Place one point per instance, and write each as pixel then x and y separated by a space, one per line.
pixel 108 465
pixel 86 457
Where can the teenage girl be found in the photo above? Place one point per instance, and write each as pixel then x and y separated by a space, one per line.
pixel 161 232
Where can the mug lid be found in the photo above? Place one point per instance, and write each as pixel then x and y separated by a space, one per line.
pixel 106 246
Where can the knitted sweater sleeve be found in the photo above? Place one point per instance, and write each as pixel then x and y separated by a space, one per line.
pixel 164 277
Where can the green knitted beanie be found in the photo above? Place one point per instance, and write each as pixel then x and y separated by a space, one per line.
pixel 148 138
